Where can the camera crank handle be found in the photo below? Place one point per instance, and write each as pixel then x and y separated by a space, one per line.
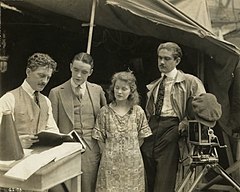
pixel 222 146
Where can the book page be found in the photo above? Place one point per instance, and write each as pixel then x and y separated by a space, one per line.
pixel 67 149
pixel 77 138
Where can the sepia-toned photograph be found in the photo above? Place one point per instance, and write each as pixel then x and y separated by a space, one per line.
pixel 119 95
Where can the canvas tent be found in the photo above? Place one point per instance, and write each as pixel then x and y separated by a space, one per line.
pixel 197 10
pixel 161 20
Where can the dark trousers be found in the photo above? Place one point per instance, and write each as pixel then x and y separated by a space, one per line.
pixel 161 154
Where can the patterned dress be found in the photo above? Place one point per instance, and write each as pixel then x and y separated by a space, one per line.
pixel 121 167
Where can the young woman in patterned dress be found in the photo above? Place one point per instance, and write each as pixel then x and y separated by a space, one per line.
pixel 120 130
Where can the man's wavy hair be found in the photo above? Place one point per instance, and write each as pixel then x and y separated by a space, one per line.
pixel 130 79
pixel 41 60
pixel 171 46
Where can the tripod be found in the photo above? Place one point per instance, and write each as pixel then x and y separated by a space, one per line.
pixel 206 156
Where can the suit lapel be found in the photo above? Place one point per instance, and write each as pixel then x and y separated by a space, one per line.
pixel 150 98
pixel 66 95
pixel 92 95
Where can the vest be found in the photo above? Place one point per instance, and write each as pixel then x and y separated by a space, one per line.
pixel 84 119
pixel 29 118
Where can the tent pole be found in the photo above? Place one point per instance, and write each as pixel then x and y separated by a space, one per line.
pixel 91 26
pixel 1 84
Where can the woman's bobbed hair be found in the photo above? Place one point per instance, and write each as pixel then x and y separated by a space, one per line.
pixel 130 79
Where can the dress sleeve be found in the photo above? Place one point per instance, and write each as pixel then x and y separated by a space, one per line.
pixel 143 127
pixel 99 131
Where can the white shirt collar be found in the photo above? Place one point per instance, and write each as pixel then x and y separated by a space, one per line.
pixel 172 74
pixel 74 85
pixel 83 86
pixel 26 87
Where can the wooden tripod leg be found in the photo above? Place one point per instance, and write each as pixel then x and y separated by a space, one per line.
pixel 219 170
pixel 190 172
pixel 201 174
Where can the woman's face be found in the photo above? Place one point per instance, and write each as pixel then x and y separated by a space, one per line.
pixel 121 90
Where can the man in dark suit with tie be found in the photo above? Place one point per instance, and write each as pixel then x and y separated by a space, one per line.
pixel 76 104
pixel 165 109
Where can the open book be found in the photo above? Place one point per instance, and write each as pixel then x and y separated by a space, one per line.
pixel 47 138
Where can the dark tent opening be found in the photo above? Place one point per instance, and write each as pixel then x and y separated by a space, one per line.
pixel 112 51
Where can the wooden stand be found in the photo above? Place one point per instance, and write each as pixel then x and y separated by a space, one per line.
pixel 193 176
pixel 233 169
pixel 52 174
pixel 217 168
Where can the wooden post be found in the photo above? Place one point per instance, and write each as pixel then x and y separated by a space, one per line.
pixel 3 56
pixel 91 26
pixel 1 84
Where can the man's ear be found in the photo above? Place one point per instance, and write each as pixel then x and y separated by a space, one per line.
pixel 178 60
pixel 28 71
pixel 70 66
pixel 91 71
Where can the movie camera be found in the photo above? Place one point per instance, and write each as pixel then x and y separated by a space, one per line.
pixel 203 152
pixel 203 143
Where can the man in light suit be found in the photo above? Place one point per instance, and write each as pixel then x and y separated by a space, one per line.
pixel 75 105
pixel 166 111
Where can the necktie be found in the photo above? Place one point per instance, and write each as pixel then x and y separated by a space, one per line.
pixel 78 92
pixel 36 97
pixel 160 97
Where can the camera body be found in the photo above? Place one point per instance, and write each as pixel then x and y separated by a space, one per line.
pixel 203 143
pixel 199 134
